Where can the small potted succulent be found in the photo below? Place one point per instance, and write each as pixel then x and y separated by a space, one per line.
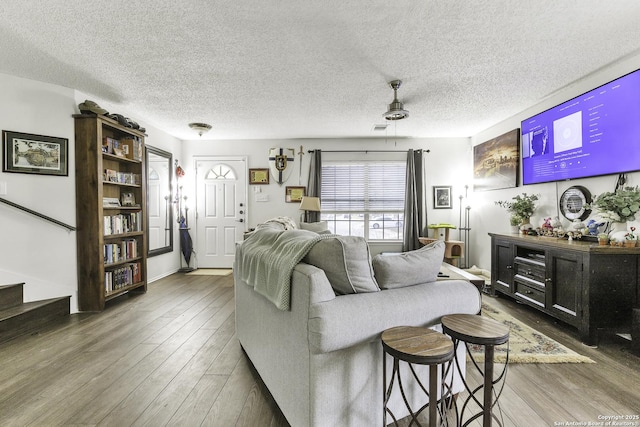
pixel 603 239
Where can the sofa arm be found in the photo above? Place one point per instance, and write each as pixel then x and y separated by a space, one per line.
pixel 348 320
pixel 320 289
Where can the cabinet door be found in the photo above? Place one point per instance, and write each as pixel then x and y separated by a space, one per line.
pixel 502 267
pixel 564 285
pixel 612 290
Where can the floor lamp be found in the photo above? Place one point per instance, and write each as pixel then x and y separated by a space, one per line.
pixel 464 226
pixel 308 204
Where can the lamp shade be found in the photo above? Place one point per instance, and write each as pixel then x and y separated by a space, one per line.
pixel 310 204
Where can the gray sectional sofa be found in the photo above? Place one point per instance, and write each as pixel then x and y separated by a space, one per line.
pixel 320 356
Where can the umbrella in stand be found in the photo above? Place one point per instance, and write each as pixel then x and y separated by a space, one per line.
pixel 186 244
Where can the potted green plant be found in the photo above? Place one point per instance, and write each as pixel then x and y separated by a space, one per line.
pixel 514 222
pixel 521 207
pixel 617 208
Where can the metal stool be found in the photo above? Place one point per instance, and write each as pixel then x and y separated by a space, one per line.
pixel 423 346
pixel 479 330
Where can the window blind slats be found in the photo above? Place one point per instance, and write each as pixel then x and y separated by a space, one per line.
pixel 362 187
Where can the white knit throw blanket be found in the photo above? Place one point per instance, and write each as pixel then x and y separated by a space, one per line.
pixel 267 258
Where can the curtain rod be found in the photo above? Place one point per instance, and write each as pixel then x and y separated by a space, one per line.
pixel 367 151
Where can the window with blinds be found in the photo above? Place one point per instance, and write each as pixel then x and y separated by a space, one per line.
pixel 364 198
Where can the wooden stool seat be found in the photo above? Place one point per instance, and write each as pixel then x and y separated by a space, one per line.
pixel 419 345
pixel 423 346
pixel 475 329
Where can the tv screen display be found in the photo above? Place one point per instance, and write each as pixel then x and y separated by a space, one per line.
pixel 596 133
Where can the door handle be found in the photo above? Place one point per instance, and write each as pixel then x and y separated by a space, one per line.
pixel 241 220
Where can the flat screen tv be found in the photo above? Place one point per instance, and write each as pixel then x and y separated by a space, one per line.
pixel 596 133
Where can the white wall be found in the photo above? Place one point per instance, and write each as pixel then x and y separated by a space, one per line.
pixel 31 250
pixel 487 217
pixel 448 163
pixel 38 253
pixel 44 255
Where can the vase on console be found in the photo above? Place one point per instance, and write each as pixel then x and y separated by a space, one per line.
pixel 525 225
pixel 618 231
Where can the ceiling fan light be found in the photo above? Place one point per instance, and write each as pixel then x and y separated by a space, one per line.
pixel 201 128
pixel 396 109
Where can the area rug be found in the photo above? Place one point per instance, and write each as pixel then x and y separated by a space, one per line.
pixel 526 345
pixel 211 272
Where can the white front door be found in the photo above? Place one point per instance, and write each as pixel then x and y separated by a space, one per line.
pixel 221 209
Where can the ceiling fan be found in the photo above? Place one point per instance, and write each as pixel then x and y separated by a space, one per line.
pixel 396 109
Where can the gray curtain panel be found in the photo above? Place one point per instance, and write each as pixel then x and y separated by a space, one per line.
pixel 314 184
pixel 415 216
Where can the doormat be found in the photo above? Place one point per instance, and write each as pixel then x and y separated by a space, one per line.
pixel 526 345
pixel 210 272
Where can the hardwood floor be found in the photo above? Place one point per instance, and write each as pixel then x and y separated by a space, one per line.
pixel 170 357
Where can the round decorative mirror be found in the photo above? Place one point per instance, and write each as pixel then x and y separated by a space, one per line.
pixel 573 201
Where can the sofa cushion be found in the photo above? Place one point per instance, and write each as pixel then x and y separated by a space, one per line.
pixel 346 263
pixel 409 268
pixel 319 227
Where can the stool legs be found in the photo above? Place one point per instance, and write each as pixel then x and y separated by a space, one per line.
pixel 436 407
pixel 488 385
pixel 433 394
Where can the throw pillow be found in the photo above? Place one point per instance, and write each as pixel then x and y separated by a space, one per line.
pixel 409 268
pixel 318 227
pixel 346 261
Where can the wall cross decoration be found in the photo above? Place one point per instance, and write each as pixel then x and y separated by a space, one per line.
pixel 281 163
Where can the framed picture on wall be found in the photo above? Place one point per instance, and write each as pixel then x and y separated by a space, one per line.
pixel 495 162
pixel 442 197
pixel 259 176
pixel 294 194
pixel 35 154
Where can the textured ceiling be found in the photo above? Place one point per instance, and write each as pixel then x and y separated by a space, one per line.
pixel 299 69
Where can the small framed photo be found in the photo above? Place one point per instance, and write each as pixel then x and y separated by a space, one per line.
pixel 442 197
pixel 258 176
pixel 294 194
pixel 127 199
pixel 36 154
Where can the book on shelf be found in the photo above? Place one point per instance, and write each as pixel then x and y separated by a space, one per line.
pixel 110 202
pixel 129 222
pixel 130 148
pixel 133 150
pixel 111 175
pixel 121 277
pixel 120 251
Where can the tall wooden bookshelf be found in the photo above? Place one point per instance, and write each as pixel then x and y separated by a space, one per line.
pixel 110 210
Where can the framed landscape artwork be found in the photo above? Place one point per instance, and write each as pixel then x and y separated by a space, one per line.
pixel 35 154
pixel 495 162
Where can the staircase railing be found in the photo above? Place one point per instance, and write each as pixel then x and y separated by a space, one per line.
pixel 38 214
